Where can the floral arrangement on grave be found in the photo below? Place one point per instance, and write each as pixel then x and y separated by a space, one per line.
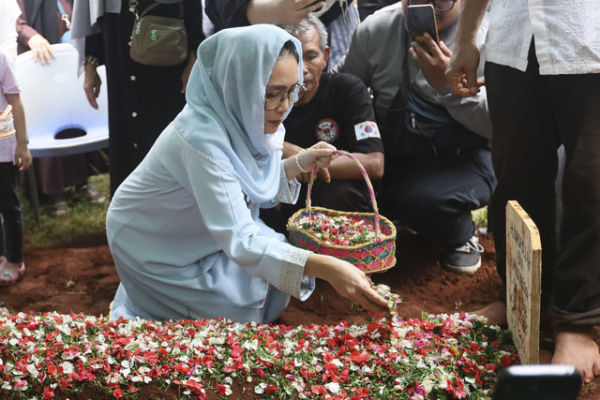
pixel 54 355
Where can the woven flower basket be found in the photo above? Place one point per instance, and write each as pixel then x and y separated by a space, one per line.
pixel 377 255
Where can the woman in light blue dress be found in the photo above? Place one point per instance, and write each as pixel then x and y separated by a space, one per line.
pixel 183 228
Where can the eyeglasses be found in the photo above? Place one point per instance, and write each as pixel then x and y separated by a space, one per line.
pixel 274 100
pixel 439 5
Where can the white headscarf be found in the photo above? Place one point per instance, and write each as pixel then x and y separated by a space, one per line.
pixel 224 116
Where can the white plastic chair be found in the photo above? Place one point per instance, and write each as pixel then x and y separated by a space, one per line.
pixel 55 103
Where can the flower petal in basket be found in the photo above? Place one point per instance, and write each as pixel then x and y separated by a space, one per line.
pixel 372 255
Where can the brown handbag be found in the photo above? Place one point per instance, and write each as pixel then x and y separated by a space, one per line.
pixel 159 41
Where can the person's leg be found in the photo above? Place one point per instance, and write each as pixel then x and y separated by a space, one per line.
pixel 435 198
pixel 12 217
pixel 525 160
pixel 575 307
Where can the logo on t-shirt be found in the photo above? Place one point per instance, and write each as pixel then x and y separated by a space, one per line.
pixel 327 130
pixel 366 130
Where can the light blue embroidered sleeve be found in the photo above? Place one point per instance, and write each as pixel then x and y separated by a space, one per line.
pixel 292 276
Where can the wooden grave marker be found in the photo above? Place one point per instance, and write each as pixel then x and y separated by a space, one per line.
pixel 523 281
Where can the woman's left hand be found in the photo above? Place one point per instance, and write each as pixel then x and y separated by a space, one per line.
pixel 318 155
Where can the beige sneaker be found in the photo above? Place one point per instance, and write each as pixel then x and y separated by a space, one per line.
pixel 93 195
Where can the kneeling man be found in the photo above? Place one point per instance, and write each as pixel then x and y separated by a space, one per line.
pixel 335 108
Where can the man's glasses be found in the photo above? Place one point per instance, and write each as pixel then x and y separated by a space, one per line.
pixel 274 100
pixel 439 5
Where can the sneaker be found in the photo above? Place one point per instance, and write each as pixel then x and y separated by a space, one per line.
pixel 59 207
pixel 58 204
pixel 93 195
pixel 465 259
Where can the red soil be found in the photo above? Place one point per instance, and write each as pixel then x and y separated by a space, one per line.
pixel 83 279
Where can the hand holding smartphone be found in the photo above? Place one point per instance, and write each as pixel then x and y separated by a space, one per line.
pixel 421 20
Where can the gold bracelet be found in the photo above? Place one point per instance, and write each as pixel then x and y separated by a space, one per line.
pixel 298 162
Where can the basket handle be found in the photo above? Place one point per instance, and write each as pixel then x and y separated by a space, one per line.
pixel 362 170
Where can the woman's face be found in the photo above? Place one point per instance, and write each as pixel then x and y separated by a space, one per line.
pixel 284 79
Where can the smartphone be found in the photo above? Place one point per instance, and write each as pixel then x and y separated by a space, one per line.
pixel 538 382
pixel 421 19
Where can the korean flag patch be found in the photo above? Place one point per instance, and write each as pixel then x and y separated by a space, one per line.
pixel 366 130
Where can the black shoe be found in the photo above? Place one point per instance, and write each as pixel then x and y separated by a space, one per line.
pixel 465 259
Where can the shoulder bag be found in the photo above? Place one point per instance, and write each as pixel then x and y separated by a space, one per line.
pixel 156 40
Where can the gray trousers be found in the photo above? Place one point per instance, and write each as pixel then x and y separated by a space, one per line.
pixel 532 115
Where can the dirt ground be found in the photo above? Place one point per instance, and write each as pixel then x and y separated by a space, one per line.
pixel 83 279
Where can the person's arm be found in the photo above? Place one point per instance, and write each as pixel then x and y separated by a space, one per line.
pixel 318 155
pixel 232 13
pixel 345 168
pixel 22 155
pixel 462 72
pixel 224 211
pixel 93 58
pixel 284 12
pixel 29 37
pixel 24 31
pixel 340 167
pixel 346 279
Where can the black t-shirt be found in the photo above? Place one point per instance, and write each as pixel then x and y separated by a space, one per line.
pixel 341 113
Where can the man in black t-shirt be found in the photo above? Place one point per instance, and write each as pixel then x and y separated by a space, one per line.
pixel 335 108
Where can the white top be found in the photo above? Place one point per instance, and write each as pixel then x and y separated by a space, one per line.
pixel 566 32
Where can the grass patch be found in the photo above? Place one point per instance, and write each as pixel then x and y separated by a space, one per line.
pixel 84 222
pixel 480 217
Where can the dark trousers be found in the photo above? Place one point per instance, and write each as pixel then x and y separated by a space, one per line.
pixel 340 195
pixel 435 197
pixel 11 224
pixel 532 115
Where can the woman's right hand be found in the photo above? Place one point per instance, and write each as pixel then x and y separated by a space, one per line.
pixel 318 155
pixel 347 280
pixel 91 84
pixel 284 12
pixel 41 49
